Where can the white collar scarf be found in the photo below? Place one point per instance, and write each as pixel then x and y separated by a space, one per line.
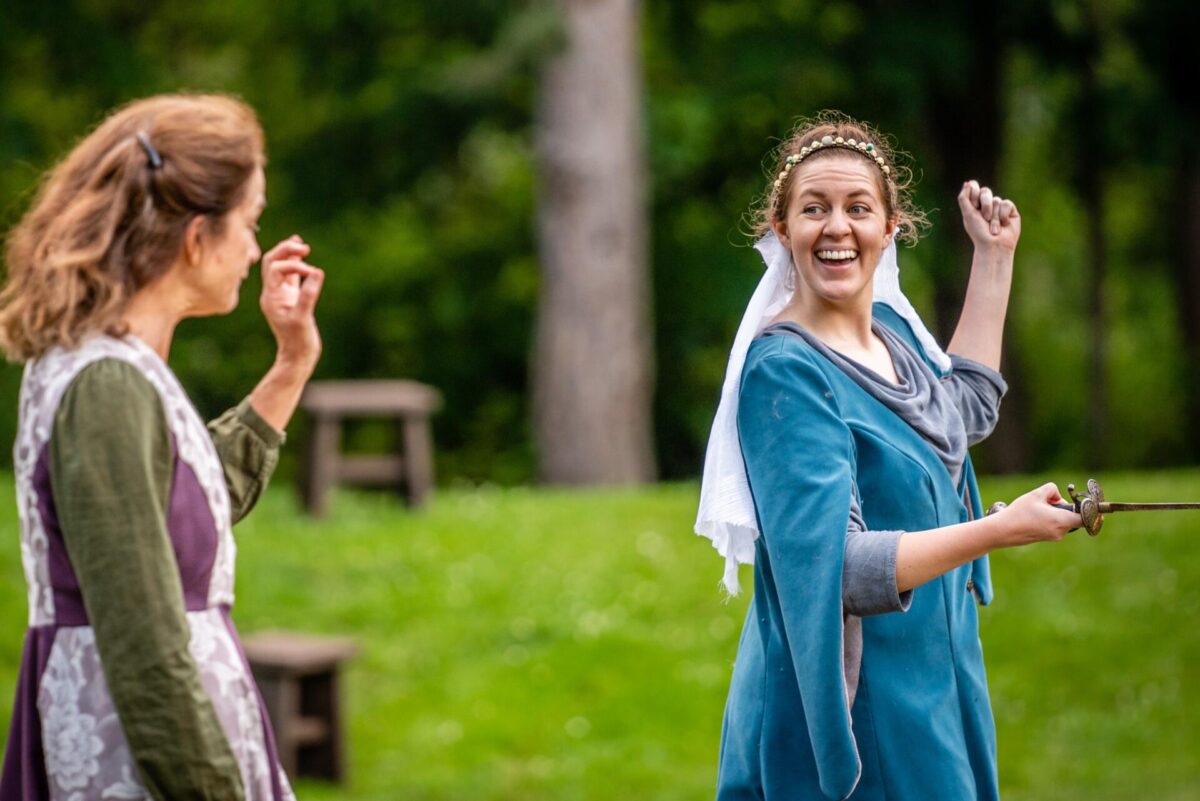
pixel 726 514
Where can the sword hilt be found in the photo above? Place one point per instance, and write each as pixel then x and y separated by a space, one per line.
pixel 1086 506
pixel 1092 506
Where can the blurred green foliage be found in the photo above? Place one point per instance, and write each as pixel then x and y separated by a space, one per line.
pixel 399 137
pixel 412 185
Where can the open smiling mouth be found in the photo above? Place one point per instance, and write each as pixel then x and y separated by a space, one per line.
pixel 836 258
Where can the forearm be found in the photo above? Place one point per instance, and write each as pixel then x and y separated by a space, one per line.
pixel 980 330
pixel 924 555
pixel 278 393
pixel 1037 516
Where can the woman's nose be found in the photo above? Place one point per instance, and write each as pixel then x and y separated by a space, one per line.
pixel 837 223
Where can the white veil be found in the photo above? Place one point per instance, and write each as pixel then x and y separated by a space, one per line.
pixel 726 515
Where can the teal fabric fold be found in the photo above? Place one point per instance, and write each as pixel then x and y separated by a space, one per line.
pixel 912 720
pixel 981 572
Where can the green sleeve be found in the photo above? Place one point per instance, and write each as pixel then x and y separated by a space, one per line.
pixel 111 469
pixel 249 451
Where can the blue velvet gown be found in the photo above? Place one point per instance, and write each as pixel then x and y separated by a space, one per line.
pixel 917 723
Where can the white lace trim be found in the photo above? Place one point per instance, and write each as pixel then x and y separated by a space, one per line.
pixel 35 545
pixel 44 383
pixel 87 755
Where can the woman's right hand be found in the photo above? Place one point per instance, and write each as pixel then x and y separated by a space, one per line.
pixel 289 298
pixel 290 291
pixel 990 220
pixel 1034 517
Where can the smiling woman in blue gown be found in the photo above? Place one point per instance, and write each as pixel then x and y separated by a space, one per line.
pixel 860 672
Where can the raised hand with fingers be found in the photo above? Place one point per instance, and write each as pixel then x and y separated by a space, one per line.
pixel 290 291
pixel 990 220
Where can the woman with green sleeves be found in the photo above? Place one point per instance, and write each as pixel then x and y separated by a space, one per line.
pixel 133 683
pixel 838 466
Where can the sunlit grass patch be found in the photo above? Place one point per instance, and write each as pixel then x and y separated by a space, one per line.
pixel 553 644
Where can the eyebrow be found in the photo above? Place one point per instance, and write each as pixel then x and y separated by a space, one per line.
pixel 820 194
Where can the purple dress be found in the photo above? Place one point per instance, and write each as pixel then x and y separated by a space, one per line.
pixel 66 741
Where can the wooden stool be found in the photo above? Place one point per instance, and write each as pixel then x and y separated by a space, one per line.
pixel 329 402
pixel 297 675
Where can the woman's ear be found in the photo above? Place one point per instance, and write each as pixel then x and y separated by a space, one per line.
pixel 780 229
pixel 890 232
pixel 193 240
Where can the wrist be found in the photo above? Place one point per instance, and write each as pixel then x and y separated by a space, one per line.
pixel 992 267
pixel 996 532
pixel 292 369
pixel 994 255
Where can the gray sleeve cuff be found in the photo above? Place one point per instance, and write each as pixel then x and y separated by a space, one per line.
pixel 977 391
pixel 962 363
pixel 869 574
pixel 869 569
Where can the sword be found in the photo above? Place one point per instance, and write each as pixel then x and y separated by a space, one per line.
pixel 1092 507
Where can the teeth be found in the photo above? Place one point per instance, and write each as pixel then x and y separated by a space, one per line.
pixel 836 255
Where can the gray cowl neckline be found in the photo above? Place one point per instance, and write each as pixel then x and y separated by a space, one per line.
pixel 919 399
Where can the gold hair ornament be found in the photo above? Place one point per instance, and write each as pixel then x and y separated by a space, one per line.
pixel 865 148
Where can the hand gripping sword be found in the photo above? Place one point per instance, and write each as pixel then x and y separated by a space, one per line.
pixel 1092 507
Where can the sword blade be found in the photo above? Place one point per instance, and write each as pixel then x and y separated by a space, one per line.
pixel 1108 506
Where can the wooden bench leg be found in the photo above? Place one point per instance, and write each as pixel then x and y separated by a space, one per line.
pixel 281 695
pixel 321 468
pixel 418 459
pixel 324 757
pixel 337 744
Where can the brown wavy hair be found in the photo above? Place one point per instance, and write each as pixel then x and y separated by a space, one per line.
pixel 109 219
pixel 895 188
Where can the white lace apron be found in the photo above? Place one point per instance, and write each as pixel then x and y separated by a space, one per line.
pixel 87 756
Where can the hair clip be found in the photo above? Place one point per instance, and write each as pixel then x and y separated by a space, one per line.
pixel 155 159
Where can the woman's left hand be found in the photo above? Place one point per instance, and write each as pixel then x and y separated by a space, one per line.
pixel 990 220
pixel 288 301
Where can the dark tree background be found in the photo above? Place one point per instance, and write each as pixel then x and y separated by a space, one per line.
pixel 404 145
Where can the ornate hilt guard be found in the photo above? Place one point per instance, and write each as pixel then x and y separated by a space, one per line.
pixel 1090 506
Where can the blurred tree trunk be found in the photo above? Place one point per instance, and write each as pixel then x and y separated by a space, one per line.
pixel 592 370
pixel 1092 188
pixel 1091 157
pixel 966 121
pixel 1185 266
pixel 1167 43
pixel 1186 248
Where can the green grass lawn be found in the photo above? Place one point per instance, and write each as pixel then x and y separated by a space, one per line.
pixel 535 644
